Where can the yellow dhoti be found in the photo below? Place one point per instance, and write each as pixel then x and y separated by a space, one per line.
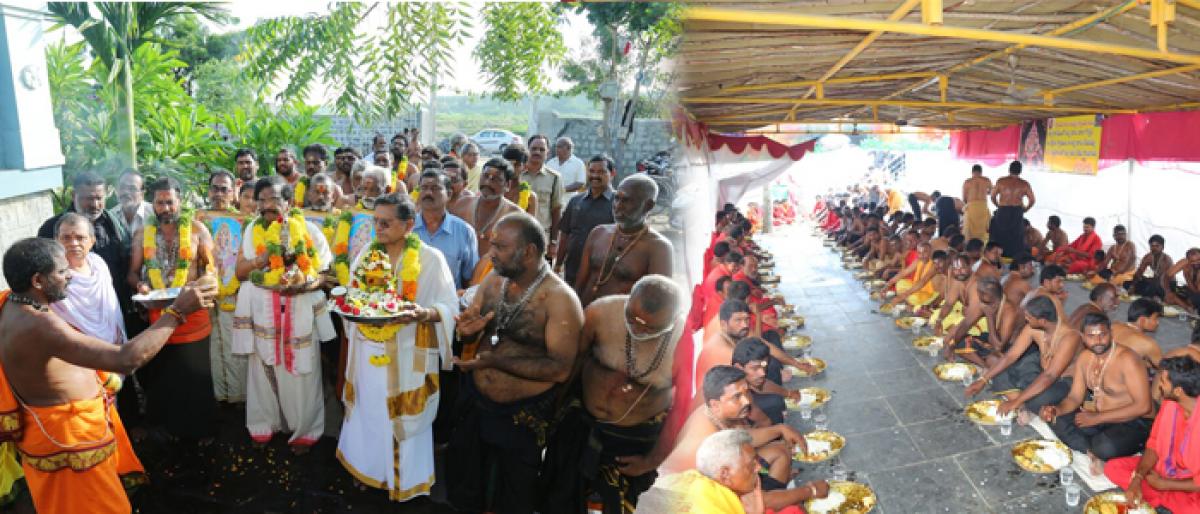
pixel 919 298
pixel 954 317
pixel 1116 280
pixel 978 219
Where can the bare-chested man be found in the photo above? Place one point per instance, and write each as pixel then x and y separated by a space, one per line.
pixel 1033 239
pixel 483 211
pixel 989 263
pixel 1037 376
pixel 975 194
pixel 727 404
pixel 514 384
pixel 1186 295
pixel 1119 260
pixel 1135 333
pixel 984 300
pixel 614 428
pixel 616 255
pixel 1009 195
pixel 57 372
pixel 1017 287
pixel 1150 278
pixel 178 382
pixel 718 346
pixel 953 294
pixel 1118 419
pixel 1056 239
pixel 1102 300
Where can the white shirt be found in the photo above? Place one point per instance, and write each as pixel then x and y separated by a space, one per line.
pixel 573 170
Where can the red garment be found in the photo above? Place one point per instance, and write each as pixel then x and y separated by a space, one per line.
pixel 832 222
pixel 756 298
pixel 1089 244
pixel 682 367
pixel 708 254
pixel 712 300
pixel 911 257
pixel 1176 440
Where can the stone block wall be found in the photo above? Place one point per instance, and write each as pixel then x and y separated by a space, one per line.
pixel 347 131
pixel 649 136
pixel 20 217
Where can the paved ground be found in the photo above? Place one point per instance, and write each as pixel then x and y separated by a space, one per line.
pixel 906 434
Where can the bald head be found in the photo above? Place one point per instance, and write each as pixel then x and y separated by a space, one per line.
pixel 655 294
pixel 640 186
pixel 634 200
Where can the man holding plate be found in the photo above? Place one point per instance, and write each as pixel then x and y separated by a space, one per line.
pixel 392 368
pixel 167 253
pixel 281 317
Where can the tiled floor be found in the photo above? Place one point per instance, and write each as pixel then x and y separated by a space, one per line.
pixel 906 435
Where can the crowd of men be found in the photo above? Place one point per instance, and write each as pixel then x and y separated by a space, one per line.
pixel 535 361
pixel 1103 385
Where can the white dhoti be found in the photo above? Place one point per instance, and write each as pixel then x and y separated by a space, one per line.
pixel 228 370
pixel 283 390
pixel 391 392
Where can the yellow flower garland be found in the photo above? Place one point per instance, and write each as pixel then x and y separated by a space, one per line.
pixel 523 196
pixel 401 173
pixel 183 259
pixel 337 231
pixel 299 191
pixel 410 270
pixel 267 238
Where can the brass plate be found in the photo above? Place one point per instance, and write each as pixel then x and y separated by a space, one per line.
pixel 815 362
pixel 954 371
pixel 1025 454
pixel 1113 502
pixel 820 396
pixel 859 499
pixel 836 443
pixel 983 412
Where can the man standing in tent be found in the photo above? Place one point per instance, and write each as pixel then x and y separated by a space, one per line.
pixel 975 194
pixel 1008 226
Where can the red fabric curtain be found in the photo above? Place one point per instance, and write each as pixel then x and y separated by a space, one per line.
pixel 1154 136
pixel 738 144
pixel 991 147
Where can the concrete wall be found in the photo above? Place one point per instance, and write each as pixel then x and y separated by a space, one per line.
pixel 649 136
pixel 20 217
pixel 347 131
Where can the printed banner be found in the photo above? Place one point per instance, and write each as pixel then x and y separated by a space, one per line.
pixel 226 228
pixel 1033 143
pixel 1073 145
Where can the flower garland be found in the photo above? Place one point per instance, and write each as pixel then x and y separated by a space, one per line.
pixel 410 269
pixel 299 191
pixel 337 231
pixel 268 239
pixel 183 258
pixel 523 196
pixel 401 173
pixel 415 194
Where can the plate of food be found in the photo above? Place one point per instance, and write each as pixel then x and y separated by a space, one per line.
pixel 822 446
pixel 844 498
pixel 924 342
pixel 854 265
pixel 796 342
pixel 361 307
pixel 1041 455
pixel 954 371
pixel 908 322
pixel 158 298
pixel 1113 502
pixel 1075 277
pixel 983 412
pixel 813 361
pixel 786 309
pixel 878 283
pixel 811 397
pixel 769 279
pixel 790 322
pixel 862 275
pixel 875 296
pixel 1172 311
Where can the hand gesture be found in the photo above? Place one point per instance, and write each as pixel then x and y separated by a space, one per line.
pixel 975 388
pixel 1133 495
pixel 821 487
pixel 634 465
pixel 482 360
pixel 196 295
pixel 793 438
pixel 470 322
pixel 1048 413
pixel 1084 419
pixel 1008 406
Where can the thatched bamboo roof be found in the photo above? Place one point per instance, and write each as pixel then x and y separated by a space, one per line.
pixel 741 74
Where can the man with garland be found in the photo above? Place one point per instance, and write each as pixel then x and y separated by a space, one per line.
pixel 392 371
pixel 617 255
pixel 281 317
pixel 402 167
pixel 225 224
pixel 171 249
pixel 519 191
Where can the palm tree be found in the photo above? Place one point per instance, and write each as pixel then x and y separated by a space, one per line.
pixel 115 30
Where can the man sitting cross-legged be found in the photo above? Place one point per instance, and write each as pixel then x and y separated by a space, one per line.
pixel 986 303
pixel 1167 474
pixel 1116 422
pixel 1034 376
pixel 727 405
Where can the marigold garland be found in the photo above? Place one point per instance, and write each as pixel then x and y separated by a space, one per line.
pixel 183 259
pixel 410 269
pixel 299 191
pixel 415 194
pixel 267 240
pixel 337 232
pixel 401 173
pixel 523 196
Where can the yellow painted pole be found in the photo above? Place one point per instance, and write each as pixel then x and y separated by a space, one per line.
pixel 1129 78
pixel 792 19
pixel 867 102
pixel 840 80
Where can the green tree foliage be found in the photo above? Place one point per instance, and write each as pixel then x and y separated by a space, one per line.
pixel 114 32
pixel 220 86
pixel 522 41
pixel 376 71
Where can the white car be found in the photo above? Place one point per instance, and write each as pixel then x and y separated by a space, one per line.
pixel 494 140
